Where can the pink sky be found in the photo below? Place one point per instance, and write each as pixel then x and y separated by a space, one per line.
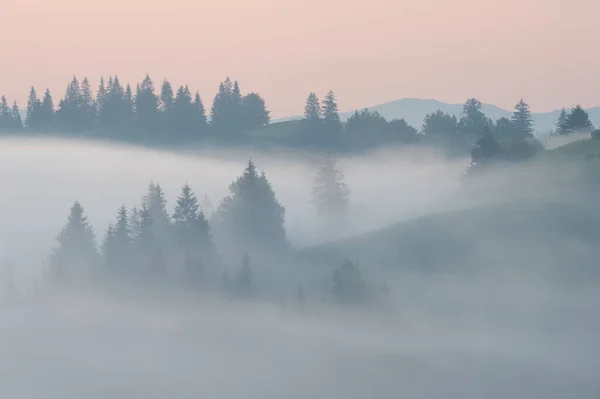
pixel 368 52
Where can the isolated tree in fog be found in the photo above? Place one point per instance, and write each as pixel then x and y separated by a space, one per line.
pixel 330 192
pixel 17 122
pixel 251 213
pixel 255 111
pixel 33 118
pixel 562 124
pixel 76 250
pixel 578 121
pixel 522 121
pixel 349 287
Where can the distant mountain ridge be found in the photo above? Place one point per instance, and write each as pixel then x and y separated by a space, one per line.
pixel 413 110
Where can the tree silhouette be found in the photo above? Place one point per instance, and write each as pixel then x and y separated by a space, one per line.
pixel 522 121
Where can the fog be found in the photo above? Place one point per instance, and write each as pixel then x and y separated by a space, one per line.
pixel 491 328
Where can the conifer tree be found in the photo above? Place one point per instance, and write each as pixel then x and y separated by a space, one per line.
pixel 562 126
pixel 47 110
pixel 184 115
pixel 166 105
pixel 522 121
pixel 227 112
pixel 101 95
pixel 156 205
pixel 331 115
pixel 578 121
pixel 75 256
pixel 146 105
pixel 5 114
pixel 200 115
pixel 473 122
pixel 349 287
pixel 255 111
pixel 312 109
pixel 32 116
pixel 16 121
pixel 128 108
pixel 70 110
pixel 251 214
pixel 89 107
pixel 118 243
pixel 330 192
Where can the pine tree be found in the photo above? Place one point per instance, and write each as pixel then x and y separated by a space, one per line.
pixel 75 256
pixel 522 121
pixel 47 110
pixel 562 124
pixel 251 214
pixel 70 112
pixel 101 95
pixel 331 115
pixel 227 112
pixel 32 116
pixel 166 105
pixel 5 114
pixel 128 108
pixel 17 122
pixel 330 192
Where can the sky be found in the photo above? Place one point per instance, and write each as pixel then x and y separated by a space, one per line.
pixel 367 52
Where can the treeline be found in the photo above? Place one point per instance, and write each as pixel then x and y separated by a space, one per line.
pixel 119 111
pixel 149 245
pixel 167 115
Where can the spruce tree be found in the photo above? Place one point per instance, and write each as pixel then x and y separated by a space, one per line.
pixel 89 107
pixel 330 192
pixel 70 112
pixel 47 110
pixel 251 214
pixel 200 116
pixel 522 121
pixel 331 115
pixel 184 116
pixel 117 244
pixel 5 114
pixel 562 124
pixel 156 205
pixel 101 95
pixel 16 121
pixel 312 109
pixel 146 106
pixel 33 118
pixel 166 105
pixel 75 256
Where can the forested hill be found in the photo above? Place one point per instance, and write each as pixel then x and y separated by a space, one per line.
pixel 163 115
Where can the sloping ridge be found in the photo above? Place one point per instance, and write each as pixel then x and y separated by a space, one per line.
pixel 518 232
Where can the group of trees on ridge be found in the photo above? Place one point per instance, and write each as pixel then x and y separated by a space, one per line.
pixel 119 111
pixel 147 243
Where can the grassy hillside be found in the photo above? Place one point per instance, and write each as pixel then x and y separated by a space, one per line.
pixel 522 234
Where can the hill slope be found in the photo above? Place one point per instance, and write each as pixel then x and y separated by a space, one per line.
pixel 522 234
